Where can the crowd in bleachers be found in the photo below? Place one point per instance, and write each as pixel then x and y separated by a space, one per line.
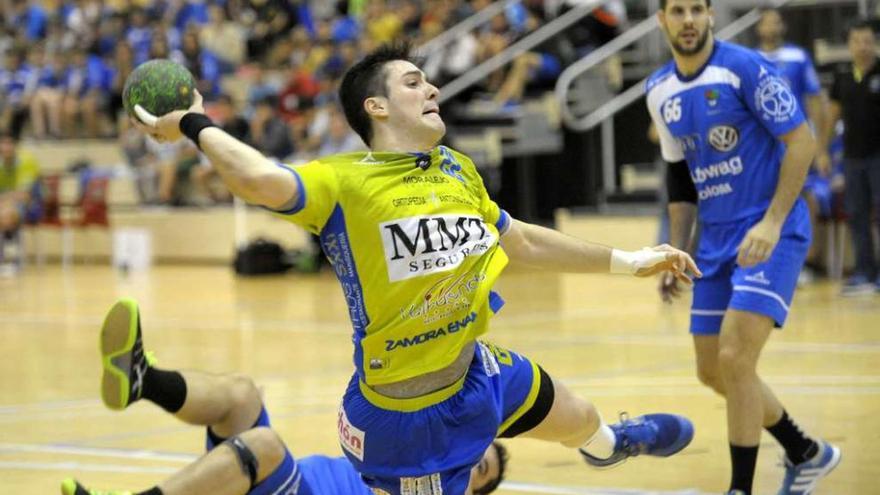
pixel 274 63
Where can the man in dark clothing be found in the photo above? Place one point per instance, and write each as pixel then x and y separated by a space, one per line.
pixel 855 96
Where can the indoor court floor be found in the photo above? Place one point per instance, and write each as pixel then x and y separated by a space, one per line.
pixel 608 337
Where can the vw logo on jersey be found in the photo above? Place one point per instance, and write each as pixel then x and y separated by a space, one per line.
pixel 775 99
pixel 723 137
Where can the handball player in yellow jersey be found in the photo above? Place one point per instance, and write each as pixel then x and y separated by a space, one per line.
pixel 415 242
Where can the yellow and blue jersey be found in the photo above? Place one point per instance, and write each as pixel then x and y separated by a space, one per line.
pixel 414 241
pixel 20 175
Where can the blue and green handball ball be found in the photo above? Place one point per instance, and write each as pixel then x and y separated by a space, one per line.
pixel 159 86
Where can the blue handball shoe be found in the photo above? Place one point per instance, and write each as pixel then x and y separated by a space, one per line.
pixel 659 435
pixel 802 479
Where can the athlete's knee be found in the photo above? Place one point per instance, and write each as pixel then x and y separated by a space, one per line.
pixel 244 393
pixel 259 450
pixel 709 376
pixel 735 363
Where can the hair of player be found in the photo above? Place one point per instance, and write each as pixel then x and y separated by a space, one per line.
pixel 767 10
pixel 366 79
pixel 492 485
pixel 860 24
pixel 663 4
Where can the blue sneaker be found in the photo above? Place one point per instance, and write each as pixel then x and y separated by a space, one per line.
pixel 802 479
pixel 659 435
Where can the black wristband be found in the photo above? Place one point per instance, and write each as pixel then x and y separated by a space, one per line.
pixel 192 124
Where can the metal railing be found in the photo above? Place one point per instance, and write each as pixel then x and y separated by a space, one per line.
pixel 467 25
pixel 636 91
pixel 532 40
pixel 596 57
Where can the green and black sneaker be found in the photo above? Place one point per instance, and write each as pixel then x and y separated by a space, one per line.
pixel 72 487
pixel 122 355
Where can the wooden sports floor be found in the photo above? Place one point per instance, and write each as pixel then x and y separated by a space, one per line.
pixel 607 337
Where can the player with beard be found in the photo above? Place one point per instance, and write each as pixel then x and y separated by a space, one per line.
pixel 415 241
pixel 738 148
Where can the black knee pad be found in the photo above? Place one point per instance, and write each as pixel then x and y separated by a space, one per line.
pixel 246 458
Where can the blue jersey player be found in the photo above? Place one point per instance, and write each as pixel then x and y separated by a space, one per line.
pixel 250 458
pixel 796 67
pixel 738 148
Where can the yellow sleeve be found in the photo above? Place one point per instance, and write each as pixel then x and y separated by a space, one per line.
pixel 318 194
pixel 28 172
pixel 489 209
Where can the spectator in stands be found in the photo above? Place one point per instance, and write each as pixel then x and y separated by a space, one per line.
pixel 269 133
pixel 492 41
pixel 299 94
pixel 226 115
pixel 123 65
pixel 603 24
pixel 273 19
pixel 191 13
pixel 224 38
pixel 56 41
pixel 410 14
pixel 111 31
pixel 855 96
pixel 14 83
pixel 30 17
pixel 540 66
pixel 81 20
pixel 87 85
pixel 45 104
pixel 140 36
pixel 203 65
pixel 262 84
pixel 339 137
pixel 381 23
pixel 300 45
pixel 159 48
pixel 18 173
pixel 343 56
pixel 344 26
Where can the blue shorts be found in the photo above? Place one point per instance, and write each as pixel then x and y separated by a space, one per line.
pixel 766 288
pixel 331 476
pixel 431 442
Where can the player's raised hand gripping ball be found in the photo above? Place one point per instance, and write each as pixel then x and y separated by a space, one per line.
pixel 159 86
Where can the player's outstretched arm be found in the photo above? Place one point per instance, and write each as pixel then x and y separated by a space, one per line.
pixel 548 249
pixel 245 171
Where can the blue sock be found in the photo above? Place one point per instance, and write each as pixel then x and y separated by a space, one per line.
pixel 212 439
